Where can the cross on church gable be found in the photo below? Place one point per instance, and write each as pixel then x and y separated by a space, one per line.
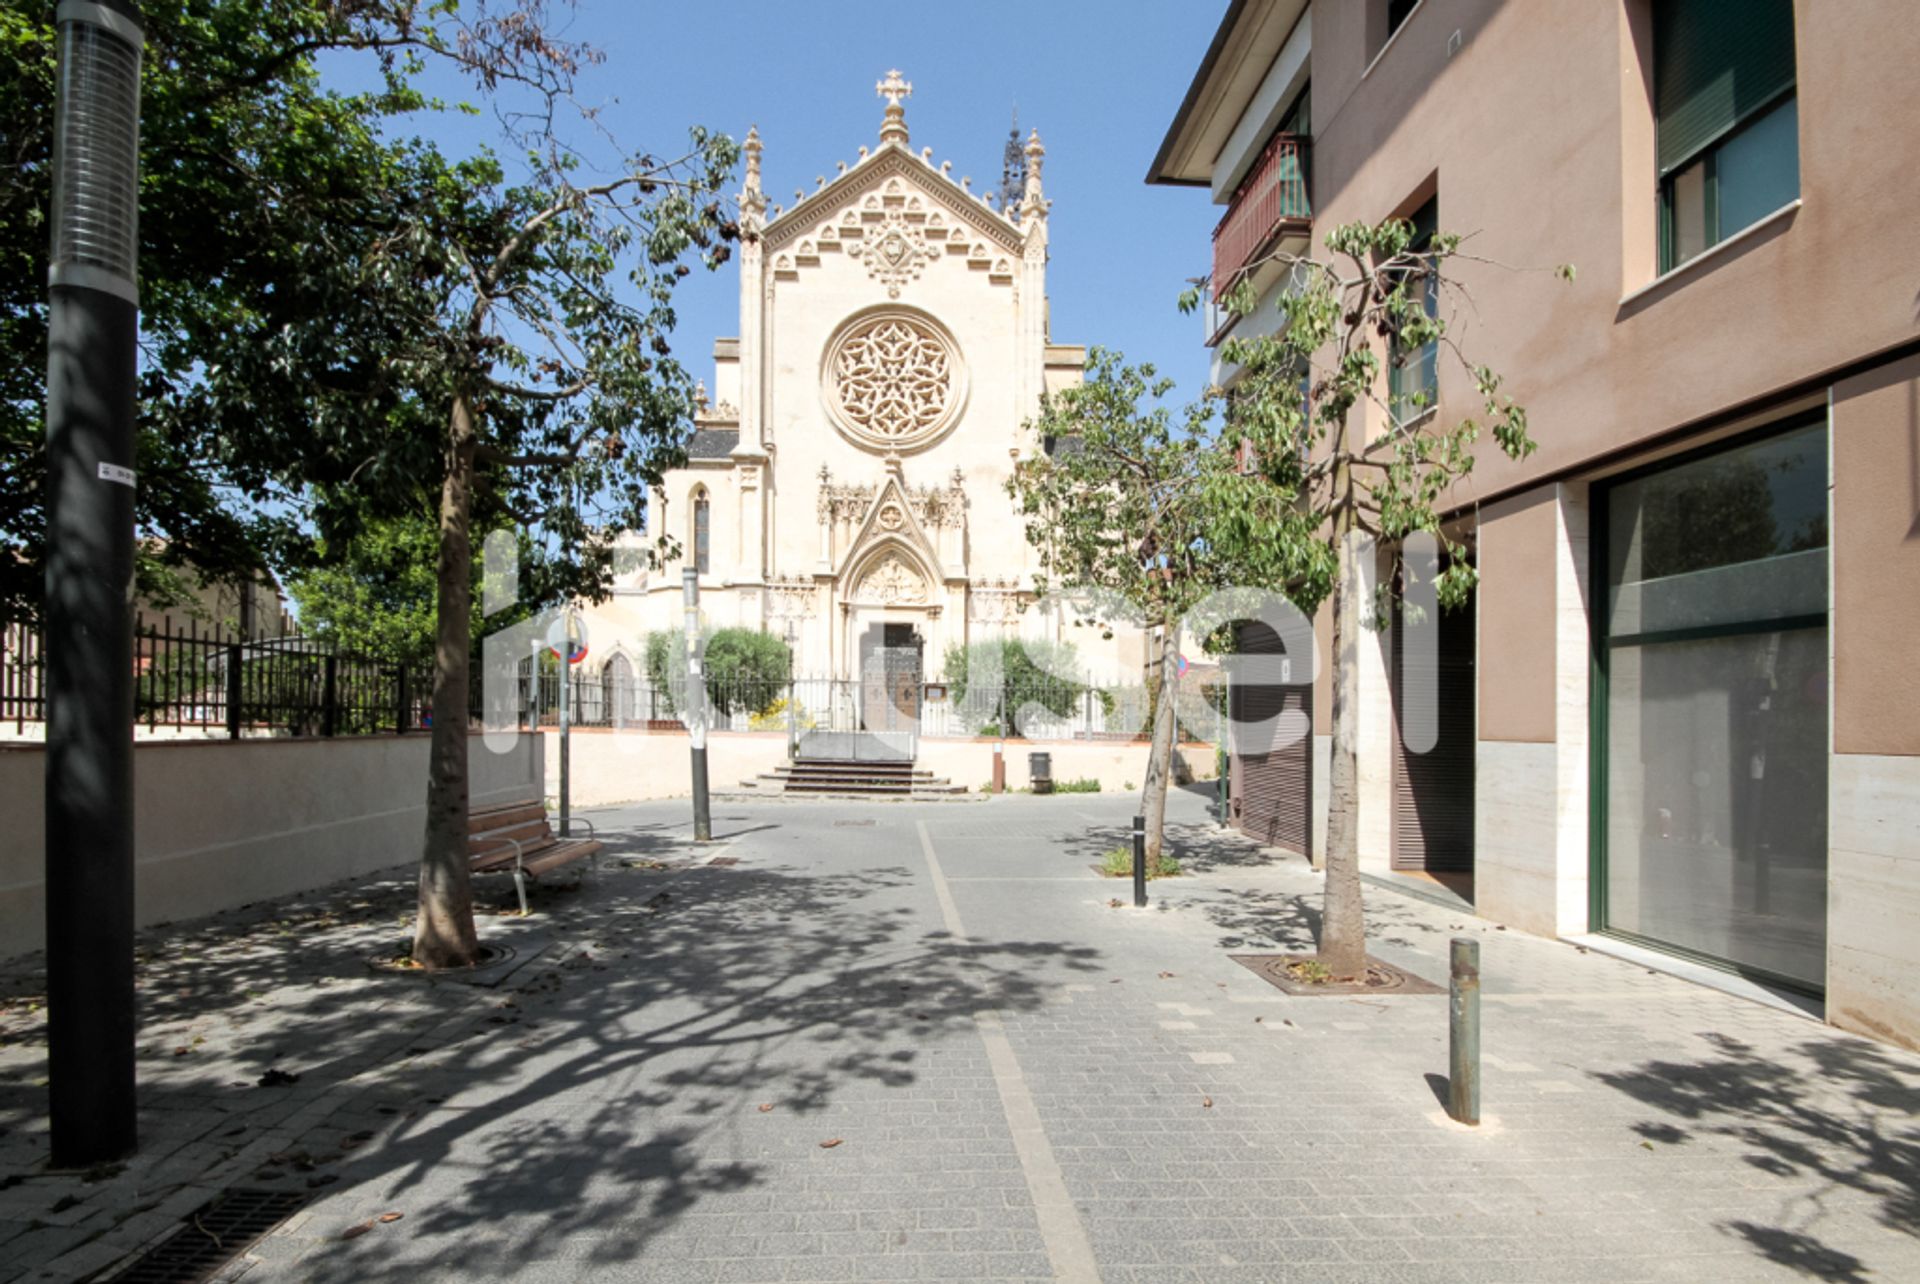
pixel 893 89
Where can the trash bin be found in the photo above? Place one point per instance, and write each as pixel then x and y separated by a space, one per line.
pixel 1040 770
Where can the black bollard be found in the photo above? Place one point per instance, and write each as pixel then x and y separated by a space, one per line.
pixel 1139 862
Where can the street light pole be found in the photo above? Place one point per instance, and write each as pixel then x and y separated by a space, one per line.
pixel 696 706
pixel 93 317
pixel 793 716
pixel 566 719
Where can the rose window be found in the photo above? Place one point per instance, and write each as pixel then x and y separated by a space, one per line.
pixel 893 380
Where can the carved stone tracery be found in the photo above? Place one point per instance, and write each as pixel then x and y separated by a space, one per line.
pixel 841 503
pixel 894 248
pixel 939 506
pixel 791 598
pixel 892 583
pixel 996 601
pixel 892 380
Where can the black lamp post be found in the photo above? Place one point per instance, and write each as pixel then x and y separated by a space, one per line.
pixel 93 320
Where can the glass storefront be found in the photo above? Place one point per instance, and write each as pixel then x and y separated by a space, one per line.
pixel 1712 833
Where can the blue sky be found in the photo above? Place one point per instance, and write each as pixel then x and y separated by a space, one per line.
pixel 1101 82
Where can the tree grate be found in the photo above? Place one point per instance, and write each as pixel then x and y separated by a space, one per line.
pixel 212 1236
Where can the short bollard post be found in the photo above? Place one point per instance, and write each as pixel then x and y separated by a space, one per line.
pixel 1463 1022
pixel 1139 862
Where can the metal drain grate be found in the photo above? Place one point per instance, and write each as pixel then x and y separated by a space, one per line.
pixel 212 1236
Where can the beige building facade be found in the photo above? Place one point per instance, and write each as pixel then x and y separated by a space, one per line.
pixel 1686 690
pixel 846 485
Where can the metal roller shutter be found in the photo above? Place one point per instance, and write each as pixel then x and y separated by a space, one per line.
pixel 1433 791
pixel 1272 793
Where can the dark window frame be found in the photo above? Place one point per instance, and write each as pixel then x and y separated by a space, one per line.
pixel 1705 154
pixel 1601 643
pixel 702 532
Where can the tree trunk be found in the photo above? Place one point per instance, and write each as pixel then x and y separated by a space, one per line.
pixel 1159 752
pixel 443 934
pixel 1343 924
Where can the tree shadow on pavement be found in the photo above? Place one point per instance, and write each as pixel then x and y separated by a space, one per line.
pixel 1203 848
pixel 1848 1117
pixel 598 1094
pixel 1262 920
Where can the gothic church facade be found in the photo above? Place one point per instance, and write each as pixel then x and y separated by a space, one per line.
pixel 846 484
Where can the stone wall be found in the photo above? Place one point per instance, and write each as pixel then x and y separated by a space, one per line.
pixel 219 824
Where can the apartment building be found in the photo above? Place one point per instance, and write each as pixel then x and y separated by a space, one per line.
pixel 1681 716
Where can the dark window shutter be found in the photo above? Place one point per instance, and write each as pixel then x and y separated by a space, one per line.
pixel 1716 62
pixel 1272 793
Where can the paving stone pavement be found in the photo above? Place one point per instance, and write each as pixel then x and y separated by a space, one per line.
pixel 1019 1080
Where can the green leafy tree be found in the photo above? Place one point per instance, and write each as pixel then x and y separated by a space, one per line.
pixel 256 182
pixel 375 595
pixel 1309 490
pixel 532 376
pixel 372 591
pixel 995 679
pixel 1118 508
pixel 745 669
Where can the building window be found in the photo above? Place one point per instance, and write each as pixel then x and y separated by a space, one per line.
pixel 1397 11
pixel 702 533
pixel 1384 18
pixel 1299 118
pixel 1710 745
pixel 1413 373
pixel 1727 119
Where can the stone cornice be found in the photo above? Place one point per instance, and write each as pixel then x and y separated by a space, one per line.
pixel 888 162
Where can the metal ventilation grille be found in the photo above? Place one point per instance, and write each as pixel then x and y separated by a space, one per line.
pixel 96 151
pixel 210 1238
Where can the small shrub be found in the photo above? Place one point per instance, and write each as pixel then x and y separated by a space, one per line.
pixel 1118 863
pixel 1129 787
pixel 1082 786
pixel 774 718
pixel 1312 971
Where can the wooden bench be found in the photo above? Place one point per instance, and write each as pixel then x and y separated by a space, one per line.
pixel 515 838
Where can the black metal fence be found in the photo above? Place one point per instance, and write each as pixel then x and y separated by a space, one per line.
pixel 1040 708
pixel 211 682
pixel 214 682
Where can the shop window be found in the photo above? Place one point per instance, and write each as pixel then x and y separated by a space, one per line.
pixel 1711 706
pixel 1728 126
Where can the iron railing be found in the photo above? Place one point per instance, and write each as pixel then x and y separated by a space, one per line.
pixel 218 683
pixel 1044 709
pixel 1275 196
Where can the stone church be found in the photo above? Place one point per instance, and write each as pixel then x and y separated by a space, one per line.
pixel 845 487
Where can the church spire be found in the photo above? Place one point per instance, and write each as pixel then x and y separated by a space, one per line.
pixel 753 201
pixel 1013 172
pixel 894 128
pixel 1034 203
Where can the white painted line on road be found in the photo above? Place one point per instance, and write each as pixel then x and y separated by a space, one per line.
pixel 949 912
pixel 1028 878
pixel 1061 1229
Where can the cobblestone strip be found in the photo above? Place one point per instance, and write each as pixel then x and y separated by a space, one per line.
pixel 1068 1247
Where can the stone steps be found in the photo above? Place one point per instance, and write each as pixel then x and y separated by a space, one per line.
pixel 851 780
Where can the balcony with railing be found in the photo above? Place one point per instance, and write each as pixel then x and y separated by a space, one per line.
pixel 1274 199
